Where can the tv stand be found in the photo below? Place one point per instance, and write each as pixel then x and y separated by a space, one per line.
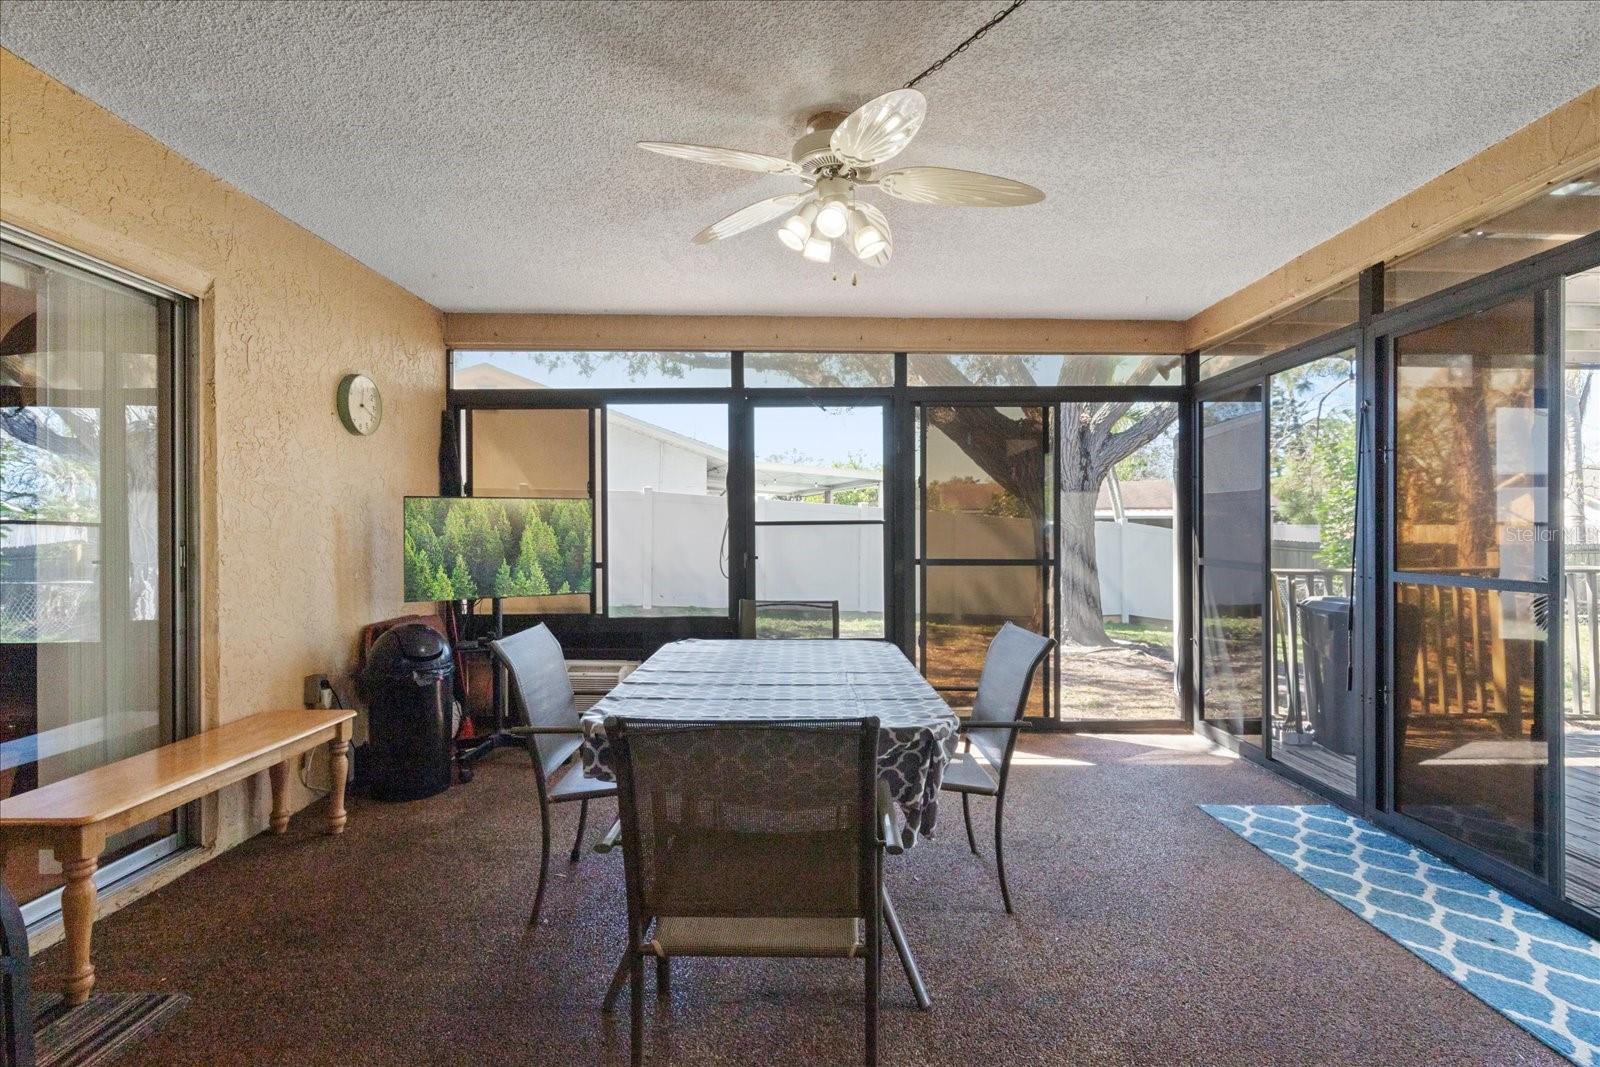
pixel 473 749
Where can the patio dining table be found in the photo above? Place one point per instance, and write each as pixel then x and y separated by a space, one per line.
pixel 802 679
pixel 810 679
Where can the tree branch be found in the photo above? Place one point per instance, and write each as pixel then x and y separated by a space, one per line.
pixel 1125 442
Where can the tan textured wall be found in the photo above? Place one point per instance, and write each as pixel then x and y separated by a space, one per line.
pixel 300 520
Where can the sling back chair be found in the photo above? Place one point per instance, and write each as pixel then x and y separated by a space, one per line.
pixel 750 838
pixel 541 687
pixel 1008 669
pixel 812 618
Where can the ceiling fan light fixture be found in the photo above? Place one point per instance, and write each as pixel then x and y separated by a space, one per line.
pixel 833 219
pixel 840 153
pixel 868 242
pixel 801 221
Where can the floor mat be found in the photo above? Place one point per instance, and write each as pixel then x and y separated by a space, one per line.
pixel 1538 972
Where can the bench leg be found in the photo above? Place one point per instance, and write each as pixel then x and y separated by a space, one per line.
pixel 280 796
pixel 77 918
pixel 338 770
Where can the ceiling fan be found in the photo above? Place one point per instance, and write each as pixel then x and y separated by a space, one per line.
pixel 838 156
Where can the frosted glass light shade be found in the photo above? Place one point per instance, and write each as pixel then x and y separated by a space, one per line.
pixel 832 219
pixel 869 241
pixel 818 250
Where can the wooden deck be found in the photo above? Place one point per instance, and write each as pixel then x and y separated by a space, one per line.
pixel 1582 798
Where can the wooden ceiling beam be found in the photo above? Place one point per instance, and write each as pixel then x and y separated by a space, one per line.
pixel 1549 151
pixel 756 333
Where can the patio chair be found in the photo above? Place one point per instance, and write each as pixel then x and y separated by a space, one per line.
pixel 541 687
pixel 16 1008
pixel 821 614
pixel 1008 669
pixel 750 839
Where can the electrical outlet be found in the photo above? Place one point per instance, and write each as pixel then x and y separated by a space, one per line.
pixel 318 691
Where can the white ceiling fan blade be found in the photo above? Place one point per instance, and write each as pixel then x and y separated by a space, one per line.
pixel 957 188
pixel 880 128
pixel 876 218
pixel 723 157
pixel 753 215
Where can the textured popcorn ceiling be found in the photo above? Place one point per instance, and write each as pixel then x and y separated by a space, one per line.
pixel 482 155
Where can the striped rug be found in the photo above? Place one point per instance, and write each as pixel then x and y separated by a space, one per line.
pixel 99 1031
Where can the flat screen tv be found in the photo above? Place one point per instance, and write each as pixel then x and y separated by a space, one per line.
pixel 463 548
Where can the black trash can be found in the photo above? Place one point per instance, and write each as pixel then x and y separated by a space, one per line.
pixel 410 713
pixel 1330 703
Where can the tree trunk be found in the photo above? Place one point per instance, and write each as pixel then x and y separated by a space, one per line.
pixel 1082 622
pixel 1475 521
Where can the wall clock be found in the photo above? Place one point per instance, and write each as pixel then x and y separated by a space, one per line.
pixel 360 404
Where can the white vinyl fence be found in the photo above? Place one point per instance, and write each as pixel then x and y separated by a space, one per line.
pixel 669 551
pixel 1137 571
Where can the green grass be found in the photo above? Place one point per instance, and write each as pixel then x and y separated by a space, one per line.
pixel 1159 634
pixel 851 624
pixel 774 624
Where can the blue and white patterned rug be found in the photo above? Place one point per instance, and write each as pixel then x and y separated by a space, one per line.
pixel 1536 971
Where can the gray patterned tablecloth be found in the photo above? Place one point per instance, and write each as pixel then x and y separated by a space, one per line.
pixel 700 679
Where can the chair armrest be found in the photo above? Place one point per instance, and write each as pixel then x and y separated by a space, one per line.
pixel 531 731
pixel 612 838
pixel 1017 724
pixel 886 832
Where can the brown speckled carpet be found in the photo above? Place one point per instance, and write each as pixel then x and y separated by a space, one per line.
pixel 1146 933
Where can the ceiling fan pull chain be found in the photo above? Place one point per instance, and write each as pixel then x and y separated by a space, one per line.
pixel 964 45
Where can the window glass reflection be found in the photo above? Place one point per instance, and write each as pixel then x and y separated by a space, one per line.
pixel 1468 687
pixel 965 608
pixel 1316 710
pixel 985 490
pixel 1232 470
pixel 1230 649
pixel 1471 448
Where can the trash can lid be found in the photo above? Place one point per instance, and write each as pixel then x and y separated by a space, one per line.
pixel 1326 605
pixel 408 648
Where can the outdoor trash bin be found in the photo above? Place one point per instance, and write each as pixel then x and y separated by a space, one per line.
pixel 1332 707
pixel 407 687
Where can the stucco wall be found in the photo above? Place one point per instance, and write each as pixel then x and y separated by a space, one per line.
pixel 300 520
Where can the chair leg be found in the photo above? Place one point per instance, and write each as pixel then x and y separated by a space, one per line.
pixel 663 976
pixel 577 842
pixel 544 861
pixel 1000 851
pixel 902 948
pixel 874 975
pixel 614 990
pixel 636 1012
pixel 966 815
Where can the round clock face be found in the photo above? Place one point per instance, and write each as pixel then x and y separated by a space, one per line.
pixel 360 405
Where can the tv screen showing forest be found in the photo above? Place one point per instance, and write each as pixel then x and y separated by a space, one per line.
pixel 461 548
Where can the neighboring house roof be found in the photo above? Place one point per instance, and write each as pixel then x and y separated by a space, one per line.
pixel 1140 496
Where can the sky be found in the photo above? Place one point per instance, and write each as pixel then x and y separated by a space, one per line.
pixel 825 436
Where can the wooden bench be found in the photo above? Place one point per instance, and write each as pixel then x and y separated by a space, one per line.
pixel 75 816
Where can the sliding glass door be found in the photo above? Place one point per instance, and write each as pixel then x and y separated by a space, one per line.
pixel 1231 569
pixel 90 606
pixel 1474 580
pixel 1580 738
pixel 1313 491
